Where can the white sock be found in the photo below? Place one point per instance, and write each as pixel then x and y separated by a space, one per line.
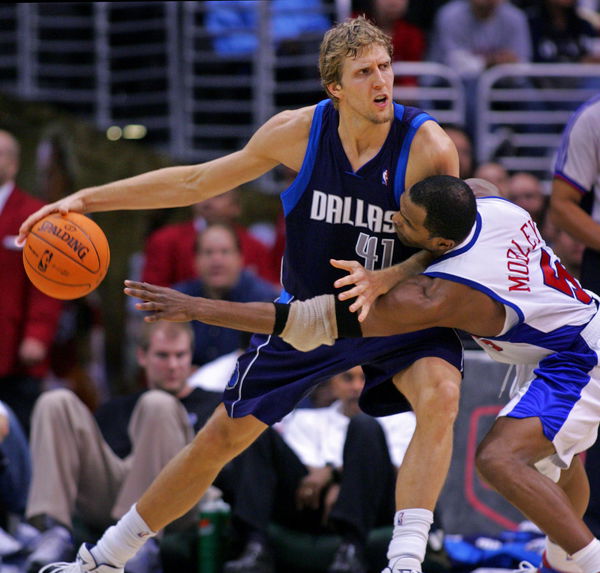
pixel 588 558
pixel 122 541
pixel 559 559
pixel 409 540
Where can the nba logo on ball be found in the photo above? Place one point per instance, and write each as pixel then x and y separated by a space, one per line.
pixel 66 256
pixel 44 261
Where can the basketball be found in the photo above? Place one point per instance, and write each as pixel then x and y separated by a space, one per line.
pixel 66 256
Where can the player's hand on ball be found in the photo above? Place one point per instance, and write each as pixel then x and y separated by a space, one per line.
pixel 64 206
pixel 162 303
pixel 66 256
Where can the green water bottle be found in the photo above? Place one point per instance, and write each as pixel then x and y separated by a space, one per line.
pixel 212 523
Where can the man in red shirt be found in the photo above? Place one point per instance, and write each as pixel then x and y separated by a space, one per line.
pixel 28 318
pixel 170 250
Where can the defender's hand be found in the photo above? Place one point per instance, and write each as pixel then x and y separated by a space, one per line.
pixel 162 303
pixel 366 286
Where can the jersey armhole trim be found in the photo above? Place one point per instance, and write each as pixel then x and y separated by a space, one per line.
pixel 400 175
pixel 291 196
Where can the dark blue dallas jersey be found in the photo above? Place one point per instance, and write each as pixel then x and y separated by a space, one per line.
pixel 332 211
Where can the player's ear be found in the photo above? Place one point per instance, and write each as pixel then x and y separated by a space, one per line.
pixel 442 245
pixel 334 89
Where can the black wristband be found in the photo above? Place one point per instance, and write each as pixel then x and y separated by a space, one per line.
pixel 281 315
pixel 347 321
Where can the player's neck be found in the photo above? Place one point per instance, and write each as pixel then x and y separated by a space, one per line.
pixel 362 139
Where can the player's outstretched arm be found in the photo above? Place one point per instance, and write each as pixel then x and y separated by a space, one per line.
pixel 162 188
pixel 304 324
pixel 282 139
pixel 414 304
pixel 162 303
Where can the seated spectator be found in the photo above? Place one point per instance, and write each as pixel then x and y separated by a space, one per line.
pixel 526 190
pixel 495 173
pixel 323 470
pixel 464 146
pixel 97 468
pixel 220 266
pixel 559 34
pixel 170 251
pixel 28 318
pixel 472 35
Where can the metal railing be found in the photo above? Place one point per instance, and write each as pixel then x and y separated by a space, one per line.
pixel 155 63
pixel 522 110
pixel 436 88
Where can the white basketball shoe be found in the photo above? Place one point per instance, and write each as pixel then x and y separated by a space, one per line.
pixel 84 563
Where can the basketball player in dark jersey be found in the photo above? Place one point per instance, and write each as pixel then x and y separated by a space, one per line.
pixel 354 154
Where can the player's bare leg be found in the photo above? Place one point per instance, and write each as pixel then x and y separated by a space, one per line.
pixel 432 387
pixel 506 458
pixel 189 474
pixel 177 488
pixel 574 482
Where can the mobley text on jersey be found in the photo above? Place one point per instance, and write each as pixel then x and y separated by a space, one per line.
pixel 517 261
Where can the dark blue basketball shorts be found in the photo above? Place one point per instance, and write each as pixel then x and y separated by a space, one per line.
pixel 271 377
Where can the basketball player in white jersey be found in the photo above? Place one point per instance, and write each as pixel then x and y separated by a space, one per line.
pixel 498 280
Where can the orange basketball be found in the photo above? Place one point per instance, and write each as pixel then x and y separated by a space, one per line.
pixel 66 256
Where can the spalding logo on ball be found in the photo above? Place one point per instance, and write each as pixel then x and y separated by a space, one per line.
pixel 66 256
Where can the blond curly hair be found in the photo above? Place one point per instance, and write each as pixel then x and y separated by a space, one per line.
pixel 347 39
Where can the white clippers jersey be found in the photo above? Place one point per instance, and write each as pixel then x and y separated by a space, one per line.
pixel 506 258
